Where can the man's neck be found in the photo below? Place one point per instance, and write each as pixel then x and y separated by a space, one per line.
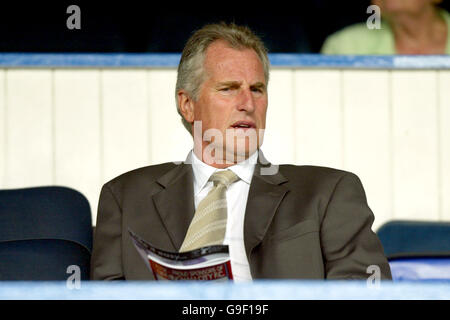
pixel 424 32
pixel 225 161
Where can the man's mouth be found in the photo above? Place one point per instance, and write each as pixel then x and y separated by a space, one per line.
pixel 243 125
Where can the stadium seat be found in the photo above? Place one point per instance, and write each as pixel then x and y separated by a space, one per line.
pixel 417 250
pixel 45 234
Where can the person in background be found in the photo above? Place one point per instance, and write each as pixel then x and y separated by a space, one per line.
pixel 407 27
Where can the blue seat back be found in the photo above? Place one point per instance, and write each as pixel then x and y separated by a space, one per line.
pixel 417 250
pixel 414 238
pixel 43 231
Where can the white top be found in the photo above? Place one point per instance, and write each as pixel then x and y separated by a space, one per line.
pixel 237 194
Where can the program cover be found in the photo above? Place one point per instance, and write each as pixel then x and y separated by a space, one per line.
pixel 207 263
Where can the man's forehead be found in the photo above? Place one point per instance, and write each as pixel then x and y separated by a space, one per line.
pixel 221 58
pixel 220 49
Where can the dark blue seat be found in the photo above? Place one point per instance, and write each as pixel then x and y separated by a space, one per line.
pixel 43 231
pixel 417 250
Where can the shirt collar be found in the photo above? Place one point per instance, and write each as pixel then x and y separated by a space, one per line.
pixel 202 171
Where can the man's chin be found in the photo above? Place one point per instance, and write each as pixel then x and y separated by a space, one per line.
pixel 236 155
pixel 229 153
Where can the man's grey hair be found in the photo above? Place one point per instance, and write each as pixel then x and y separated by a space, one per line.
pixel 191 74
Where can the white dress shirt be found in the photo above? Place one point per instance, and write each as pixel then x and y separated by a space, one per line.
pixel 236 194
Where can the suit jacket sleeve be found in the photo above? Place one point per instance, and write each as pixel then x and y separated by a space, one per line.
pixel 348 243
pixel 106 261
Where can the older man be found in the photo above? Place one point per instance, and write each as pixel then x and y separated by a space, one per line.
pixel 297 222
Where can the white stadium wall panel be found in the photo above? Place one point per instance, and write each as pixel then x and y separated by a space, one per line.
pixel 81 125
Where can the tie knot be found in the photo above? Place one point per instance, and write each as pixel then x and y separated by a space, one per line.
pixel 225 178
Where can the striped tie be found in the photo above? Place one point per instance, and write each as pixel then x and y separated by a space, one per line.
pixel 210 220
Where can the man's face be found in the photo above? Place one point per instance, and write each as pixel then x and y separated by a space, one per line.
pixel 234 95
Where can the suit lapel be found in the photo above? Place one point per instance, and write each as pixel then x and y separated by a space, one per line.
pixel 265 195
pixel 175 203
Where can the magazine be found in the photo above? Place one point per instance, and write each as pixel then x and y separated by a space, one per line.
pixel 206 263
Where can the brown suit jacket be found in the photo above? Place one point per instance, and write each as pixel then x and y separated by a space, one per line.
pixel 304 222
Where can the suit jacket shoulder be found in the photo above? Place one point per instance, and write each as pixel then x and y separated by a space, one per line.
pixel 322 226
pixel 312 175
pixel 143 178
pixel 320 183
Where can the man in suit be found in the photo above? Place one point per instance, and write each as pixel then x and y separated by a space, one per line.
pixel 292 222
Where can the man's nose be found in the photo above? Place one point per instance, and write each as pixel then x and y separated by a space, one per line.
pixel 246 101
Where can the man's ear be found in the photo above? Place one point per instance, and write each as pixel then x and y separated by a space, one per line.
pixel 186 105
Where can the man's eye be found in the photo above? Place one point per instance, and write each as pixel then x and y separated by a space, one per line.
pixel 227 90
